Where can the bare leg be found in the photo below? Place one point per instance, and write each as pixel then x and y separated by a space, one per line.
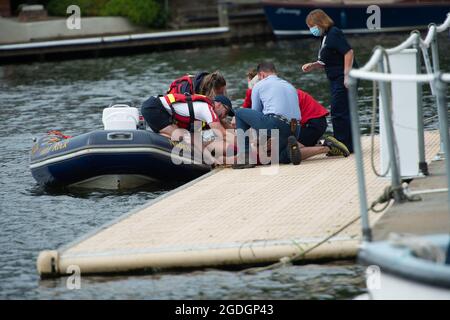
pixel 168 131
pixel 218 146
pixel 224 152
pixel 226 161
pixel 308 152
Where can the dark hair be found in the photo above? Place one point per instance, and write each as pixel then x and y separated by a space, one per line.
pixel 266 67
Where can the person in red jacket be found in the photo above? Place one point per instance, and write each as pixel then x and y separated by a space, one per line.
pixel 313 121
pixel 252 79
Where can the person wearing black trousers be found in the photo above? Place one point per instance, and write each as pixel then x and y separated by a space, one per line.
pixel 337 58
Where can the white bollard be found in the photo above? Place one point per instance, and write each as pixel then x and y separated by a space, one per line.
pixel 404 116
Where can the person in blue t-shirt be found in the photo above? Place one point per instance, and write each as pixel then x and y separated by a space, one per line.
pixel 337 58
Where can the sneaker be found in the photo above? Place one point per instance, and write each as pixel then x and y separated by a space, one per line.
pixel 294 151
pixel 337 148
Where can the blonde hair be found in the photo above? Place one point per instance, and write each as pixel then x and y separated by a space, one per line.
pixel 212 83
pixel 320 18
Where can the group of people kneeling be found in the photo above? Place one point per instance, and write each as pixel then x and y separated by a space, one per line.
pixel 277 122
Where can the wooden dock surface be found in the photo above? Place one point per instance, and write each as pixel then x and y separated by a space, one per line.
pixel 235 217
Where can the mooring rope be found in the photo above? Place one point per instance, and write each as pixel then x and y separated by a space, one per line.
pixel 287 260
pixel 386 197
pixel 373 120
pixel 372 134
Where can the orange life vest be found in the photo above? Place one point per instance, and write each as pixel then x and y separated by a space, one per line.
pixel 182 85
pixel 172 98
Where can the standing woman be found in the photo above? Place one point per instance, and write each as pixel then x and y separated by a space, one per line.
pixel 337 58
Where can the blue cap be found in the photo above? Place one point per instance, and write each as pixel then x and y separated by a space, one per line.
pixel 226 102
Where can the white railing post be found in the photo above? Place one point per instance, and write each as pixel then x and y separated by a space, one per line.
pixel 357 148
pixel 436 68
pixel 441 88
pixel 423 166
pixel 390 136
pixel 437 83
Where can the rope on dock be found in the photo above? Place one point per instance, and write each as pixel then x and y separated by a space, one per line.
pixel 372 128
pixel 288 260
pixel 386 197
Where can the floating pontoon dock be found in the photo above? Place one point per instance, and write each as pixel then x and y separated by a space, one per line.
pixel 427 216
pixel 235 217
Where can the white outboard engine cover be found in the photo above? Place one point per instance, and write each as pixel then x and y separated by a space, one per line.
pixel 120 117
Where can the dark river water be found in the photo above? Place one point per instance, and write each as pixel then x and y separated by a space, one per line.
pixel 70 96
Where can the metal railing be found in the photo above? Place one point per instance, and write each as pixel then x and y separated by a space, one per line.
pixel 374 70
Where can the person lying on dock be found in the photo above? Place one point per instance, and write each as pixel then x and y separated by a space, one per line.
pixel 313 125
pixel 166 114
pixel 205 83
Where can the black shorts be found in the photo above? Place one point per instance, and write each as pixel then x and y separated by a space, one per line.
pixel 155 114
pixel 313 131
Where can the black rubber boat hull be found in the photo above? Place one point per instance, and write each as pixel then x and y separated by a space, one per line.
pixel 63 162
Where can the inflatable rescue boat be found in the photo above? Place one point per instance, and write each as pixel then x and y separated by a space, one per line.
pixel 123 155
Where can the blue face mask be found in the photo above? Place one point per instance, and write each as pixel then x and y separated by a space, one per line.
pixel 315 31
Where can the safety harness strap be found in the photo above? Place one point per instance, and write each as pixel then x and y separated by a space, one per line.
pixel 171 99
pixel 191 111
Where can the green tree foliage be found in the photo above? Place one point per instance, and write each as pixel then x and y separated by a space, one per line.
pixel 141 12
pixel 88 7
pixel 149 13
